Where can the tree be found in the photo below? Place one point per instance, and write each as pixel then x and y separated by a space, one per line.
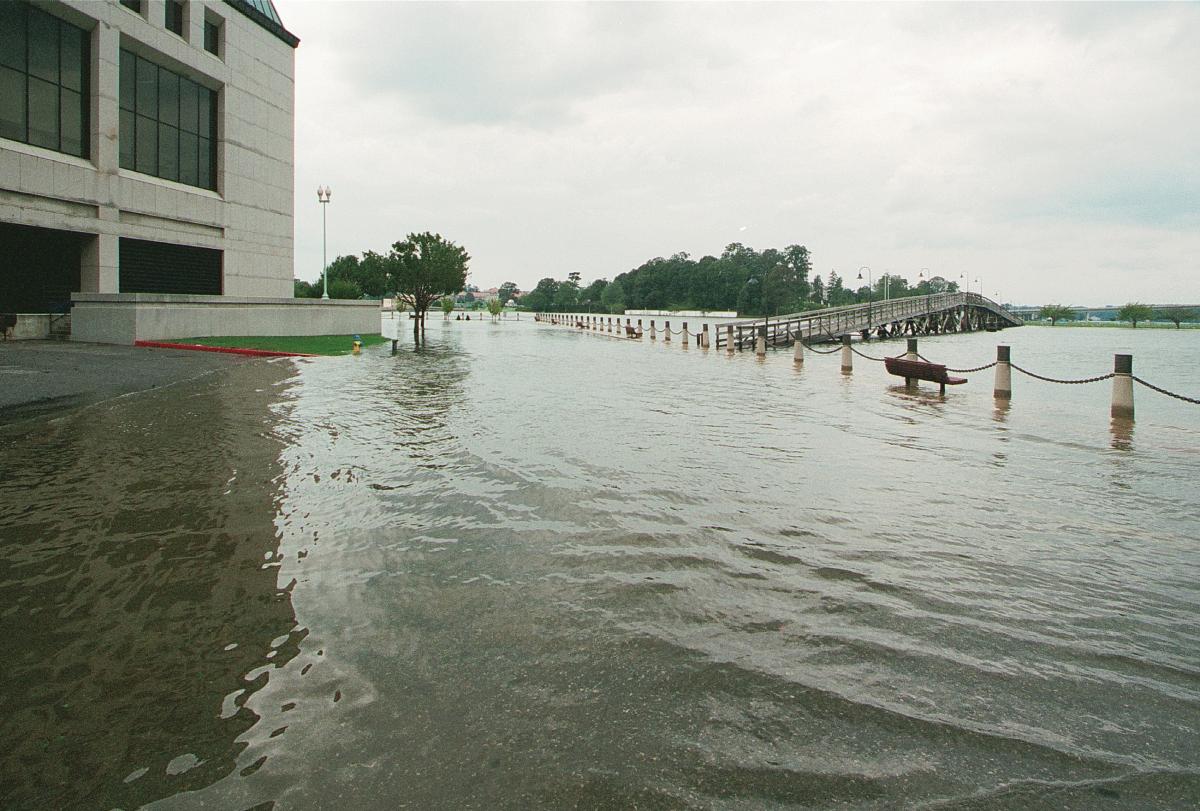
pixel 494 307
pixel 423 268
pixel 1056 313
pixel 613 297
pixel 567 294
pixel 1176 315
pixel 447 303
pixel 818 290
pixel 541 298
pixel 303 289
pixel 507 292
pixel 1135 312
pixel 345 289
pixel 592 295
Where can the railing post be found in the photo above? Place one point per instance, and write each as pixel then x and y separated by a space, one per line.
pixel 739 338
pixel 760 346
pixel 911 354
pixel 684 335
pixel 729 339
pixel 653 337
pixel 798 352
pixel 1122 390
pixel 704 337
pixel 1003 387
pixel 847 355
pixel 666 332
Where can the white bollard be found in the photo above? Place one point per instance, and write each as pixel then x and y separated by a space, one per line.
pixel 704 337
pixel 1003 388
pixel 1122 390
pixel 684 336
pixel 847 355
pixel 760 344
pixel 798 353
pixel 911 354
pixel 666 332
pixel 729 339
pixel 653 336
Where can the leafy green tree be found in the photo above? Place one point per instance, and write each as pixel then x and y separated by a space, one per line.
pixel 345 289
pixel 1176 315
pixel 507 292
pixel 1134 312
pixel 818 291
pixel 592 295
pixel 495 307
pixel 424 267
pixel 447 303
pixel 303 289
pixel 541 298
pixel 613 297
pixel 467 298
pixel 1056 313
pixel 567 294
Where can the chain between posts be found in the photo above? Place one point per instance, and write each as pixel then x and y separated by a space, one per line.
pixel 1056 380
pixel 1152 387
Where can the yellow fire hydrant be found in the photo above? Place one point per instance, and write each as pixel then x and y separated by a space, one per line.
pixel 357 344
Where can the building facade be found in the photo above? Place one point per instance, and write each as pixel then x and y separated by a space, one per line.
pixel 147 167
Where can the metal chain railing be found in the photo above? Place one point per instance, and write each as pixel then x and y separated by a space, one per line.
pixel 1151 386
pixel 1056 380
pixel 864 355
pixel 960 371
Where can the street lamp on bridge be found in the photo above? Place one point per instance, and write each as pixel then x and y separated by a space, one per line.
pixel 323 195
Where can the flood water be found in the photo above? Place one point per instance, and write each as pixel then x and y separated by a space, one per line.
pixel 527 567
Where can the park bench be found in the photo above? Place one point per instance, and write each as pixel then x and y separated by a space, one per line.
pixel 632 331
pixel 8 322
pixel 912 370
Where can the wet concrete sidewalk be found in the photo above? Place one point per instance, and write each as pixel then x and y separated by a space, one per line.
pixel 43 378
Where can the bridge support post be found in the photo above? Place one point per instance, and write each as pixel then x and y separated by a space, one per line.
pixel 911 354
pixel 760 344
pixel 666 332
pixel 1122 390
pixel 798 351
pixel 847 356
pixel 1003 387
pixel 704 337
pixel 729 339
pixel 653 336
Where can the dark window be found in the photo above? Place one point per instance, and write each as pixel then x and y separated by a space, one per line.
pixel 135 5
pixel 158 267
pixel 175 16
pixel 212 37
pixel 43 80
pixel 168 123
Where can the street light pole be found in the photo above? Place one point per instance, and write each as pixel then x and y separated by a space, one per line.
pixel 870 293
pixel 323 195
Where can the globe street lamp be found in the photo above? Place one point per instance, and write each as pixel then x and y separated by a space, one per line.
pixel 323 196
pixel 870 291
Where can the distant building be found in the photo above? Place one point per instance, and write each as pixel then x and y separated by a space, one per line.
pixel 146 168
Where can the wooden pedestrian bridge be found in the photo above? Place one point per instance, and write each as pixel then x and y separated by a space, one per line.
pixel 934 314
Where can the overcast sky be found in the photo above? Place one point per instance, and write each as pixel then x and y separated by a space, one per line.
pixel 1050 151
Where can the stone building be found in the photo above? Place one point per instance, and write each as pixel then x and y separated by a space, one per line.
pixel 146 171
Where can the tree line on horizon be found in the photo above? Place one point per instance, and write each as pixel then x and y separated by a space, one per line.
pixel 769 282
pixel 1133 312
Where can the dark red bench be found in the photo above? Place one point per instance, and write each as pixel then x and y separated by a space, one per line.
pixel 912 370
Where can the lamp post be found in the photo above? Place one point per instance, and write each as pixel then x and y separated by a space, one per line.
pixel 323 195
pixel 870 292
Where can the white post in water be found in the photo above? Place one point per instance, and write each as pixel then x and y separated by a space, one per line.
pixel 666 332
pixel 729 339
pixel 847 355
pixel 684 335
pixel 760 344
pixel 798 352
pixel 1122 392
pixel 911 354
pixel 1003 387
pixel 704 337
pixel 653 335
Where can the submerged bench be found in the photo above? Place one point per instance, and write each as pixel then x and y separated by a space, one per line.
pixel 912 370
pixel 632 331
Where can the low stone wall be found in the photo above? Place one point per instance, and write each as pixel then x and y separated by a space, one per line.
pixel 31 327
pixel 122 318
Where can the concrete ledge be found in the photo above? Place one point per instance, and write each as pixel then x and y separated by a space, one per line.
pixel 122 318
pixel 31 327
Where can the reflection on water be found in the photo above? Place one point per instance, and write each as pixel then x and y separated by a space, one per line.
pixel 532 567
pixel 138 576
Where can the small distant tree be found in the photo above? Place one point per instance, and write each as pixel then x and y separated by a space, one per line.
pixel 1176 315
pixel 447 303
pixel 1056 313
pixel 507 292
pixel 303 289
pixel 344 288
pixel 494 306
pixel 424 267
pixel 613 297
pixel 1134 312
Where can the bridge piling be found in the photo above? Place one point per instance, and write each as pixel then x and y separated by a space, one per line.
pixel 1003 387
pixel 847 356
pixel 1122 390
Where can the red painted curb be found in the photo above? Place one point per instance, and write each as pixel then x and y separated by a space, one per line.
pixel 229 350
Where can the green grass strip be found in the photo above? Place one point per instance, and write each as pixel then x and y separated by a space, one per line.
pixel 305 344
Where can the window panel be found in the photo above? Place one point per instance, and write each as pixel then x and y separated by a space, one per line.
pixel 168 97
pixel 189 145
pixel 147 88
pixel 71 58
pixel 70 118
pixel 212 38
pixel 128 86
pixel 12 104
pixel 205 170
pixel 127 139
pixel 188 103
pixel 43 45
pixel 12 36
pixel 146 139
pixel 206 113
pixel 43 113
pixel 168 152
pixel 175 16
